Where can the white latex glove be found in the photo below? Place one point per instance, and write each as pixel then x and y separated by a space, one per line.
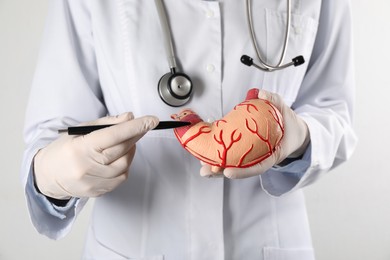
pixel 293 144
pixel 93 164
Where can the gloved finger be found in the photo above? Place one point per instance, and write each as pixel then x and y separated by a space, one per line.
pixel 93 188
pixel 274 98
pixel 115 168
pixel 110 136
pixel 257 169
pixel 205 171
pixel 111 154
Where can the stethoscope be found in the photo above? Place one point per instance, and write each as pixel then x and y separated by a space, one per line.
pixel 175 88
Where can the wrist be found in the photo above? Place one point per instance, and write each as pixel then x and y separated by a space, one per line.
pixel 57 200
pixel 304 130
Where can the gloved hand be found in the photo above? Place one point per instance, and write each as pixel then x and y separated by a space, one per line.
pixel 92 164
pixel 293 144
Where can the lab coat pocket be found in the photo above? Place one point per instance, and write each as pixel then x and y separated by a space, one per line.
pixel 159 257
pixel 104 252
pixel 272 253
pixel 97 249
pixel 303 32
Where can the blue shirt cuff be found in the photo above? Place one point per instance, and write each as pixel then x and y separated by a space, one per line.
pixel 295 167
pixel 45 204
pixel 280 180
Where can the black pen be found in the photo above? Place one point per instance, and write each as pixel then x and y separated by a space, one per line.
pixel 83 130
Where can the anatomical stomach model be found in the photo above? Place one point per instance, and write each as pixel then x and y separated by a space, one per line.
pixel 246 136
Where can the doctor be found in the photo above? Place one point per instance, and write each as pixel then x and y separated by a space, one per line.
pixel 101 59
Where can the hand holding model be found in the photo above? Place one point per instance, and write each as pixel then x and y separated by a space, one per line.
pixel 258 133
pixel 294 143
pixel 90 165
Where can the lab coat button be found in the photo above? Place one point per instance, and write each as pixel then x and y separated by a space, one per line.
pixel 210 68
pixel 297 30
pixel 209 14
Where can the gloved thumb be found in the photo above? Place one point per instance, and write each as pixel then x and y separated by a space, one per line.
pixel 296 137
pixel 273 98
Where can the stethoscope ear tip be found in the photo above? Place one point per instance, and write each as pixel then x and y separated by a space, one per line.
pixel 299 60
pixel 246 60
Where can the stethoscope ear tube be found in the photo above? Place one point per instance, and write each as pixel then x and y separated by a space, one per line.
pixel 264 66
pixel 299 60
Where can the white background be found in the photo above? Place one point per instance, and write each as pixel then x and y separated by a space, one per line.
pixel 349 209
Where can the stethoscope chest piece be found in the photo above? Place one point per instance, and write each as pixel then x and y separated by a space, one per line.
pixel 175 89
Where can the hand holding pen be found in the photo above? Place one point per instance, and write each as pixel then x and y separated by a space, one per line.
pixel 93 164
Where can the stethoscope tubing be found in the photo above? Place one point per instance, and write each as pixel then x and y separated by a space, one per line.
pixel 266 66
pixel 168 44
pixel 175 88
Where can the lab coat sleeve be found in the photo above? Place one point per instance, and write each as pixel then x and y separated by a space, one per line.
pixel 65 91
pixel 41 208
pixel 325 101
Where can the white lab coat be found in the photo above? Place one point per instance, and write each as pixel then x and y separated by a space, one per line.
pixel 103 57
